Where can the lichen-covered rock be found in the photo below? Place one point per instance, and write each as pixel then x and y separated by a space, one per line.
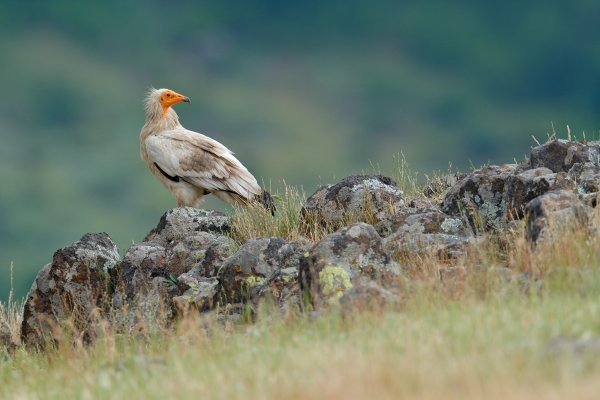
pixel 561 155
pixel 490 197
pixel 587 179
pixel 529 184
pixel 285 288
pixel 171 268
pixel 479 197
pixel 141 297
pixel 343 259
pixel 178 223
pixel 368 296
pixel 199 286
pixel 420 220
pixel 191 251
pixel 200 296
pixel 561 208
pixel 142 262
pixel 74 289
pixel 425 231
pixel 265 266
pixel 357 197
pixel 213 257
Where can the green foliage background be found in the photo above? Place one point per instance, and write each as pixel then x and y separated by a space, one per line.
pixel 304 91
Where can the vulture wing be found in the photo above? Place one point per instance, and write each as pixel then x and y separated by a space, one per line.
pixel 200 161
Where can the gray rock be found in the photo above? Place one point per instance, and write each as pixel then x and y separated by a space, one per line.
pixel 367 296
pixel 199 286
pixel 74 289
pixel 191 251
pixel 285 288
pixel 343 259
pixel 178 223
pixel 479 197
pixel 420 220
pixel 554 209
pixel 265 266
pixel 214 256
pixel 200 296
pixel 142 262
pixel 141 297
pixel 561 155
pixel 587 178
pixel 491 197
pixel 170 272
pixel 424 231
pixel 357 197
pixel 527 185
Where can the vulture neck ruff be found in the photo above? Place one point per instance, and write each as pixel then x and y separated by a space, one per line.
pixel 157 117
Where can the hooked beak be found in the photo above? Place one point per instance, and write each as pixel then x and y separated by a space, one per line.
pixel 170 98
pixel 173 98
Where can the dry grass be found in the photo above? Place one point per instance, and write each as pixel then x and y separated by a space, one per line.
pixel 437 347
pixel 253 222
pixel 480 326
pixel 289 222
pixel 10 316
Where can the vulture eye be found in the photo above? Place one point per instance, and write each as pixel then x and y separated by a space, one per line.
pixel 168 94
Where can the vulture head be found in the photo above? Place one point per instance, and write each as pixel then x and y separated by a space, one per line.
pixel 161 99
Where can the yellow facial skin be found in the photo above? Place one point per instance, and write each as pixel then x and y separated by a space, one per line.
pixel 169 97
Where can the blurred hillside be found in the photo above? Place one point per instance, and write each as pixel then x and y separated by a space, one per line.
pixel 302 91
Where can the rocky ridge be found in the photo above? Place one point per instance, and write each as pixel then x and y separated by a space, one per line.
pixel 190 264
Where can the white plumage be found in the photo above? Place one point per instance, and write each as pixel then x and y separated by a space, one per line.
pixel 189 163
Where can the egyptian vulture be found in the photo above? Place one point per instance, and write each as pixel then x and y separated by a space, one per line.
pixel 190 164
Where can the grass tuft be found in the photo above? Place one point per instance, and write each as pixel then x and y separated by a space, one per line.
pixel 251 222
pixel 11 315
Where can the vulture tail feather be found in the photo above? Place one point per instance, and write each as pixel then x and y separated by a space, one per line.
pixel 266 200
